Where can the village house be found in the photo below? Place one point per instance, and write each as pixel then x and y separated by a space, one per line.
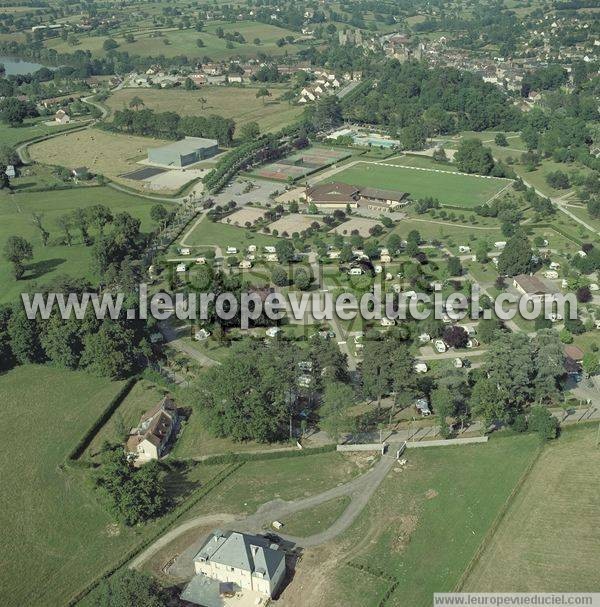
pixel 149 440
pixel 236 561
pixel 61 117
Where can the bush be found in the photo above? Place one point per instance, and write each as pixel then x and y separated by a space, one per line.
pixel 543 422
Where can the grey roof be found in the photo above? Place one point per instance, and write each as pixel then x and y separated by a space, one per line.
pixel 381 194
pixel 251 553
pixel 202 591
pixel 188 145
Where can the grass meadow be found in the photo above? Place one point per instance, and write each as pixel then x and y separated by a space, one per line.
pixel 30 129
pixel 548 540
pixel 449 188
pixel 239 103
pixel 184 42
pixel 53 523
pixel 424 523
pixel 55 259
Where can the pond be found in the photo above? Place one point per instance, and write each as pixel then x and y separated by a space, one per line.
pixel 13 65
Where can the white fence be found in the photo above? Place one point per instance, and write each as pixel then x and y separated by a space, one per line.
pixel 362 447
pixel 448 442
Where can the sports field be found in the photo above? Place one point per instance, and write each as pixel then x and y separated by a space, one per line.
pixel 549 540
pixel 300 164
pixel 55 259
pixel 454 189
pixel 239 103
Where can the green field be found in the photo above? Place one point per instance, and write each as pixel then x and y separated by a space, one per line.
pixel 239 103
pixel 315 520
pixel 51 518
pixel 183 42
pixel 30 129
pixel 287 478
pixel 549 538
pixel 53 260
pixel 423 525
pixel 223 235
pixel 449 188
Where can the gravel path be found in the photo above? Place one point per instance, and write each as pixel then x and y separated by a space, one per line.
pixel 359 490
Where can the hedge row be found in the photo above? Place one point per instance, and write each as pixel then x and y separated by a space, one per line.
pixel 559 230
pixel 169 520
pixel 86 439
pixel 233 458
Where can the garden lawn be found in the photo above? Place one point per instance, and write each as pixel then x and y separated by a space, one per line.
pixel 455 189
pixel 287 478
pixel 423 525
pixel 315 520
pixel 55 259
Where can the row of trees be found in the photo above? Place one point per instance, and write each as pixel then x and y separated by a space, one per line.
pixel 108 348
pixel 170 125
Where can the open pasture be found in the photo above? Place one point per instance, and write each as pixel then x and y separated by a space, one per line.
pixel 548 540
pixel 237 102
pixel 55 259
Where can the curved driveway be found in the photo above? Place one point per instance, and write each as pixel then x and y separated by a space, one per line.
pixel 359 490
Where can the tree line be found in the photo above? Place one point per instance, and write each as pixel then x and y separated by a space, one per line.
pixel 170 125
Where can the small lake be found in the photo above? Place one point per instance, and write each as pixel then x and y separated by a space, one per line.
pixel 13 65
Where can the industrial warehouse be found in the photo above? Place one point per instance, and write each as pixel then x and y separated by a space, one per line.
pixel 184 152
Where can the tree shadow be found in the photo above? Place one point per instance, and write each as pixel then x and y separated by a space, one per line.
pixel 36 270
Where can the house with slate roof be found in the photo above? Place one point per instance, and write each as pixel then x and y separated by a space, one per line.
pixel 249 562
pixel 149 440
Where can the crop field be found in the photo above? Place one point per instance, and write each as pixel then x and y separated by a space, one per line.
pixel 101 152
pixel 404 540
pixel 184 42
pixel 455 189
pixel 55 259
pixel 549 540
pixel 239 103
pixel 300 164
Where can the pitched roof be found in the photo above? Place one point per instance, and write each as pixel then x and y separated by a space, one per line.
pixel 332 192
pixel 381 194
pixel 532 285
pixel 574 353
pixel 251 553
pixel 155 425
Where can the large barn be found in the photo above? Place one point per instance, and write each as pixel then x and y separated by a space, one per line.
pixel 184 152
